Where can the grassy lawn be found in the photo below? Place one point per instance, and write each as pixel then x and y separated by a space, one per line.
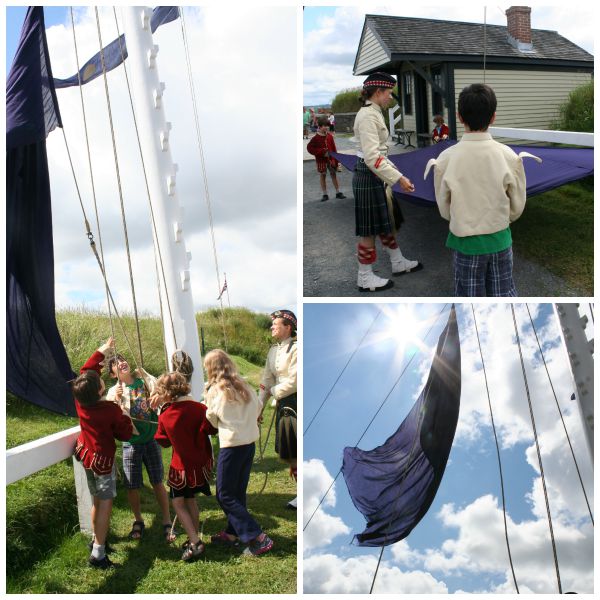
pixel 557 231
pixel 46 553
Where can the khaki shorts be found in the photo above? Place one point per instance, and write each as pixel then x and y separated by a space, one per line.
pixel 103 487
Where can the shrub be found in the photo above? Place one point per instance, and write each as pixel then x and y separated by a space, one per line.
pixel 577 113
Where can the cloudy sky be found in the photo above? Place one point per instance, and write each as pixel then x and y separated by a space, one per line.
pixel 247 98
pixel 332 34
pixel 459 545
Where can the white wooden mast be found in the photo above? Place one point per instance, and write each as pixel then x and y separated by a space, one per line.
pixel 176 294
pixel 580 352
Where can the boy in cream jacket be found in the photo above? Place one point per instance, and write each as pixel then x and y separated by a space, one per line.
pixel 480 189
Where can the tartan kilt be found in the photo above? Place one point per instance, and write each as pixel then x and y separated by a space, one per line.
pixel 370 204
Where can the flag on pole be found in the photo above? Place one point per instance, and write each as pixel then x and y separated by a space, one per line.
pixel 116 52
pixel 394 485
pixel 223 290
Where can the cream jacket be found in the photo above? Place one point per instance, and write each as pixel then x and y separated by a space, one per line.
pixel 479 185
pixel 372 136
pixel 236 420
pixel 280 376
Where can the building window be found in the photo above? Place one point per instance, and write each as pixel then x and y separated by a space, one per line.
pixel 437 99
pixel 407 84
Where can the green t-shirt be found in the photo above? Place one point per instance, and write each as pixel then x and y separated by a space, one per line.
pixel 480 244
pixel 141 412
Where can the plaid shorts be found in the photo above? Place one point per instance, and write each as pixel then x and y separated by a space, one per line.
pixel 133 457
pixel 103 487
pixel 484 274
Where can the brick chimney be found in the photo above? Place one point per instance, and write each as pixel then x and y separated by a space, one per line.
pixel 519 27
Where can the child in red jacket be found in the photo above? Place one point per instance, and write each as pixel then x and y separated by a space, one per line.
pixel 182 424
pixel 101 422
pixel 320 146
pixel 441 131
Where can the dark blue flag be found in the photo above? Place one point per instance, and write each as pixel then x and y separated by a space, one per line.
pixel 162 15
pixel 116 52
pixel 37 367
pixel 394 485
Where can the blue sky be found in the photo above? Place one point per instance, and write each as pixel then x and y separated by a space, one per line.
pixel 332 33
pixel 432 559
pixel 253 200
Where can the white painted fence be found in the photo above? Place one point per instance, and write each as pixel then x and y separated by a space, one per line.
pixel 32 457
pixel 574 138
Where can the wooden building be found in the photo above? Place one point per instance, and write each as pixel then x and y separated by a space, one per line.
pixel 532 71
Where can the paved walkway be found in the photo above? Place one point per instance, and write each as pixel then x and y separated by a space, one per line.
pixel 330 265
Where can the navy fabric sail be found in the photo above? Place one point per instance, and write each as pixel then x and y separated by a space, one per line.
pixel 559 166
pixel 394 485
pixel 37 367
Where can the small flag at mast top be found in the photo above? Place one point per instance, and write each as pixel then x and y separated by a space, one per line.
pixel 224 289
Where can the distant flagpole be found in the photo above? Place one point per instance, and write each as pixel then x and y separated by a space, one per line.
pixel 224 289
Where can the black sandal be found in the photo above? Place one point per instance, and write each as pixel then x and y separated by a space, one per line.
pixel 137 530
pixel 169 533
pixel 193 552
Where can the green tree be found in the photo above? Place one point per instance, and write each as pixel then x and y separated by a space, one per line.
pixel 577 113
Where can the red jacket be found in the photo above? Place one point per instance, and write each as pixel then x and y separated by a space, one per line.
pixel 437 134
pixel 183 425
pixel 100 424
pixel 321 147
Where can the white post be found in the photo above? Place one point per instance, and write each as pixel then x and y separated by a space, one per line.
pixel 176 293
pixel 393 118
pixel 580 352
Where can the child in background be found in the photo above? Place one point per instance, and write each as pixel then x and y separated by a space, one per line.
pixel 101 422
pixel 182 424
pixel 233 408
pixel 441 131
pixel 320 146
pixel 480 188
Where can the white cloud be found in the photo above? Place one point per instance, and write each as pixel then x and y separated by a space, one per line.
pixel 246 100
pixel 330 574
pixel 323 527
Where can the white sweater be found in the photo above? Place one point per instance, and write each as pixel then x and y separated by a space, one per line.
pixel 236 420
pixel 479 185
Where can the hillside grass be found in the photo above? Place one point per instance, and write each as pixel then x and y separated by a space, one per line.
pixel 45 552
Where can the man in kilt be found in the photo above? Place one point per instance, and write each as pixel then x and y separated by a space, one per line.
pixel 373 179
pixel 280 381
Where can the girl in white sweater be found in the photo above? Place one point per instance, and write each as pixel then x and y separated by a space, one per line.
pixel 233 408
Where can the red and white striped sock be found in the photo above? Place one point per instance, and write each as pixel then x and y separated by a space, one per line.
pixel 388 240
pixel 366 255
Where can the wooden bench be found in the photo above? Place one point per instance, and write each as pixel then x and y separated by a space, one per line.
pixel 423 140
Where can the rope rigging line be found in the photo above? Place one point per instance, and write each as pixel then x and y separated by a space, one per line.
pixel 203 165
pixel 152 218
pixel 90 237
pixel 371 421
pixel 561 415
pixel 539 455
pixel 89 157
pixel 487 389
pixel 118 173
pixel 342 371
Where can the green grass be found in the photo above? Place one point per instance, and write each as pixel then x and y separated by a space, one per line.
pixel 45 553
pixel 557 231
